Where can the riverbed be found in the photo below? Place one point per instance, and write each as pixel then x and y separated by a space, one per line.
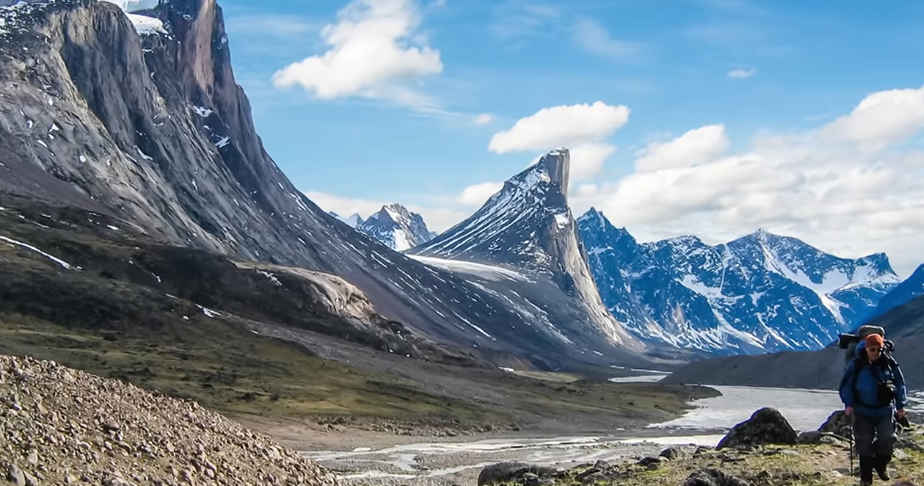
pixel 458 463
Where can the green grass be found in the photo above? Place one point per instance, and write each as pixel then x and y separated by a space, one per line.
pixel 813 465
pixel 228 369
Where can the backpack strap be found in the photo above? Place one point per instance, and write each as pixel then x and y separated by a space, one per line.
pixel 858 365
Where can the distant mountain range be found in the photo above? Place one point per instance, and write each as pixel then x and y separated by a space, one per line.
pixel 393 225
pixel 759 293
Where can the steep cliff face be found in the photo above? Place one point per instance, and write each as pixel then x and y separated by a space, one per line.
pixel 140 117
pixel 527 227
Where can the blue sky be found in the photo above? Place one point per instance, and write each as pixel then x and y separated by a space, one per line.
pixel 778 82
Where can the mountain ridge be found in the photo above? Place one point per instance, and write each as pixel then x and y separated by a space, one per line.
pixel 396 227
pixel 686 293
pixel 151 128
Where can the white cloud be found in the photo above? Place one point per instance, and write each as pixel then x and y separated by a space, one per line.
pixel 483 119
pixel 818 185
pixel 587 160
pixel 437 219
pixel 593 37
pixel 742 73
pixel 692 148
pixel 881 119
pixel 477 194
pixel 566 125
pixel 372 52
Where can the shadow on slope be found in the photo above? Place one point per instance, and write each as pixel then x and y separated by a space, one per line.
pixel 814 369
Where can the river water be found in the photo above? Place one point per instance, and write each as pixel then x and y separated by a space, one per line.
pixel 440 463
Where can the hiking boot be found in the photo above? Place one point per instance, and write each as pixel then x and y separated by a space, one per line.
pixel 866 470
pixel 880 465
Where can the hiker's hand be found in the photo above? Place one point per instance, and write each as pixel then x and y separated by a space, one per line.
pixel 901 413
pixel 849 411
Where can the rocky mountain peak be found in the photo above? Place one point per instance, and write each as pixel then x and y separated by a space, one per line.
pixel 396 227
pixel 557 164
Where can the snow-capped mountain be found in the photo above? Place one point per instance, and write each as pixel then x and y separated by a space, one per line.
pixel 903 293
pixel 396 227
pixel 147 125
pixel 353 220
pixel 527 229
pixel 758 293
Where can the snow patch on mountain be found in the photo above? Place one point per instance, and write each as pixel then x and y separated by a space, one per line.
pixel 490 272
pixel 147 25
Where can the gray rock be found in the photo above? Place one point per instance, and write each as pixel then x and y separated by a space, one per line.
pixel 713 477
pixel 512 471
pixel 674 453
pixel 16 476
pixel 766 426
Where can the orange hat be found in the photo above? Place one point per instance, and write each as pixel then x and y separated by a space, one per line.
pixel 874 339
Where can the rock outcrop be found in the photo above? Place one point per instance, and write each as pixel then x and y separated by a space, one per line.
pixel 63 426
pixel 766 426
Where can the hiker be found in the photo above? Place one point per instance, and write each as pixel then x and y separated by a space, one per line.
pixel 871 384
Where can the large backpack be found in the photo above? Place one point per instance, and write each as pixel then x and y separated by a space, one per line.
pixel 851 341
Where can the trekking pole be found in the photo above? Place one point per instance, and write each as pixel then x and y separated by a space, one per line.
pixel 850 437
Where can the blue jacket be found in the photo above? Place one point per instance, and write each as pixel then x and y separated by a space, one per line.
pixel 867 385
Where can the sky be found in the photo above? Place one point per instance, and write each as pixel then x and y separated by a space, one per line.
pixel 705 117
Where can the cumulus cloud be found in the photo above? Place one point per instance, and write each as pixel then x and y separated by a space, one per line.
pixel 692 148
pixel 587 160
pixel 566 125
pixel 881 119
pixel 742 73
pixel 373 49
pixel 825 186
pixel 478 194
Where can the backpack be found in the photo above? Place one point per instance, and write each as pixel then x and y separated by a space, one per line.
pixel 850 341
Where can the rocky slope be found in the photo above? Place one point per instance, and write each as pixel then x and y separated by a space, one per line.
pixel 523 245
pixel 814 369
pixel 147 125
pixel 396 227
pixel 756 294
pixel 63 426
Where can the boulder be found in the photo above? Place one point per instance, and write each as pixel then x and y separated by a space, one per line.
pixel 674 453
pixel 513 471
pixel 838 423
pixel 766 426
pixel 713 477
pixel 815 437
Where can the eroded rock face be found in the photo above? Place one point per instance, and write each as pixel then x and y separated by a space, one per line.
pixel 766 426
pixel 63 426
